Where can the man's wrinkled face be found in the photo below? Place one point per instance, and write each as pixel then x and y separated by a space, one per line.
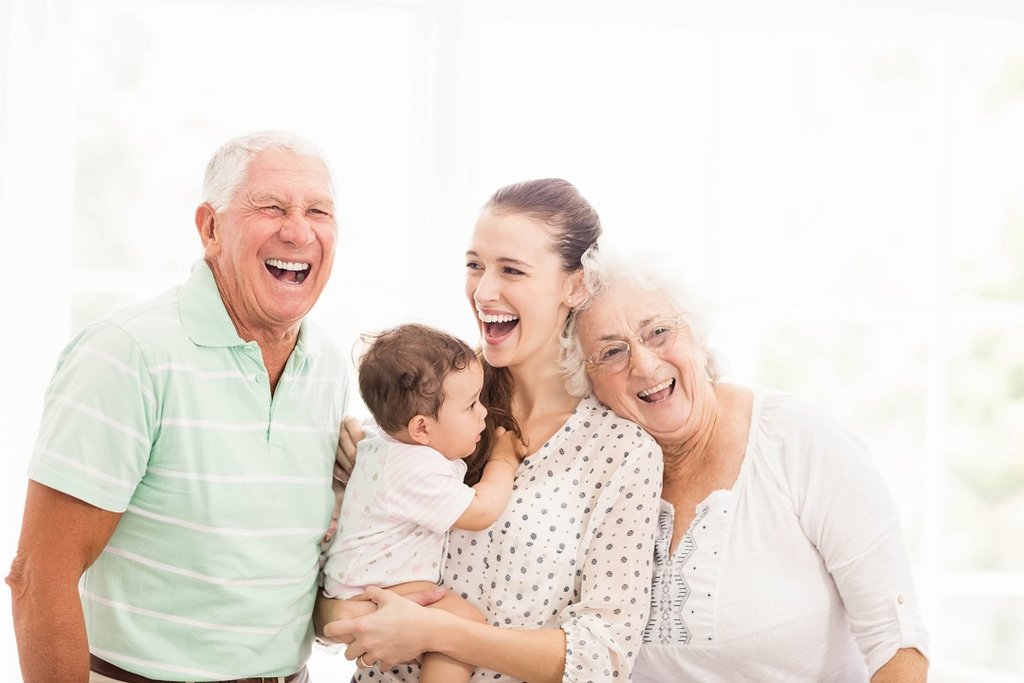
pixel 272 248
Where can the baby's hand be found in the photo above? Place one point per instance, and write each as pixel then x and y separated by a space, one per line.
pixel 507 447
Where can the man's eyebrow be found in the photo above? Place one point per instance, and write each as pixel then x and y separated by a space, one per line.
pixel 263 196
pixel 322 201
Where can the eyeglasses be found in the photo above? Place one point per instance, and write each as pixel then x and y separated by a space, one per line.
pixel 613 356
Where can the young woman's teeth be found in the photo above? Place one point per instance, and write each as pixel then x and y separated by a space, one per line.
pixel 497 318
pixel 655 389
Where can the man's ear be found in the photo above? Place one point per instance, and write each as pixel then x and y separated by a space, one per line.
pixel 206 224
pixel 419 429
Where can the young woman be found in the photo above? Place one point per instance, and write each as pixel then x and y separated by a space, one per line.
pixel 563 577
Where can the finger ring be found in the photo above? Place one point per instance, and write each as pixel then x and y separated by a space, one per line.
pixel 361 663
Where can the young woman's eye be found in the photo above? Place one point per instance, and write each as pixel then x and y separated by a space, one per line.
pixel 512 271
pixel 473 265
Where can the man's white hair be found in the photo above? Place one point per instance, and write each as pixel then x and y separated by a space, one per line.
pixel 229 167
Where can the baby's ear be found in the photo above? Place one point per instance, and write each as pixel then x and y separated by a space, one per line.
pixel 419 429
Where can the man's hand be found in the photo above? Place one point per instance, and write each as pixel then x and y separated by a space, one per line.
pixel 345 457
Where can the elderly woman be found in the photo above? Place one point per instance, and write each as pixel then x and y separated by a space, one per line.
pixel 780 555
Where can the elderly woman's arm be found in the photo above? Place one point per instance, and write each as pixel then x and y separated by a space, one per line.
pixel 846 510
pixel 906 666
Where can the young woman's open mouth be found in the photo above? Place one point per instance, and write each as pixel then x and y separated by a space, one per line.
pixel 497 327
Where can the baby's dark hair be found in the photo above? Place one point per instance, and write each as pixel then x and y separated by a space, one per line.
pixel 402 372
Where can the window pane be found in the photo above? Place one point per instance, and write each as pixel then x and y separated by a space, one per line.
pixel 160 86
pixel 986 450
pixel 631 126
pixel 986 167
pixel 984 632
pixel 829 167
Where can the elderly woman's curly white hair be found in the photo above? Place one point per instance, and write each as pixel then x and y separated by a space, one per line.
pixel 601 272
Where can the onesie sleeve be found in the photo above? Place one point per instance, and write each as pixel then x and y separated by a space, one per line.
pixel 98 420
pixel 427 489
pixel 846 510
pixel 603 627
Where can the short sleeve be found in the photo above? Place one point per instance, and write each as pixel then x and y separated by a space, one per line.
pixel 98 420
pixel 846 510
pixel 603 627
pixel 425 488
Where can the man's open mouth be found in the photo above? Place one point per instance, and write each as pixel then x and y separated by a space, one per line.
pixel 287 271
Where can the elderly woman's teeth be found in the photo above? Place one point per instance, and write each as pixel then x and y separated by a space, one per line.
pixel 655 389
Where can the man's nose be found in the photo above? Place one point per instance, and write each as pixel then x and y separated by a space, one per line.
pixel 296 229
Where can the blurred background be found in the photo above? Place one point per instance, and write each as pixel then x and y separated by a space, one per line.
pixel 843 181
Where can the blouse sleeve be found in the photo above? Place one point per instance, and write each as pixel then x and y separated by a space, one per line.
pixel 603 626
pixel 846 510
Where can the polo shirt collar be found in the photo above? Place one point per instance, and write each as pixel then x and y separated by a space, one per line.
pixel 206 320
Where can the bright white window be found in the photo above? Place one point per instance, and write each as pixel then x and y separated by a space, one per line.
pixel 844 187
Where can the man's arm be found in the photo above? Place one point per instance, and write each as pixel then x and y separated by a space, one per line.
pixel 61 536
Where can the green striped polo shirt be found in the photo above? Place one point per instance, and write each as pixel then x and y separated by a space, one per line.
pixel 161 412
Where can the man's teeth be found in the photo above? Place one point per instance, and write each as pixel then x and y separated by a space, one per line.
pixel 286 265
pixel 655 389
pixel 497 318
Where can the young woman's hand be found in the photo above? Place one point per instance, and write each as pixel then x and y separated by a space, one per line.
pixel 397 631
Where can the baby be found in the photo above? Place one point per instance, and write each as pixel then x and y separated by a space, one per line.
pixel 406 492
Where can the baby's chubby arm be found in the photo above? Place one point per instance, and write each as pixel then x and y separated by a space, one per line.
pixel 495 485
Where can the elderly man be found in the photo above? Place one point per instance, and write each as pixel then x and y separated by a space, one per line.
pixel 183 465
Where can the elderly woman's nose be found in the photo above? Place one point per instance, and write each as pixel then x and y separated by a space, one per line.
pixel 642 358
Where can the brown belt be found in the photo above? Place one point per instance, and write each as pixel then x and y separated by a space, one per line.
pixel 107 669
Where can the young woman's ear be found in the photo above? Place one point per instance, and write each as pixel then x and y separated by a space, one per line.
pixel 576 289
pixel 419 429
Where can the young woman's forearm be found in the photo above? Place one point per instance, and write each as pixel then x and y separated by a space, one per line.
pixel 501 649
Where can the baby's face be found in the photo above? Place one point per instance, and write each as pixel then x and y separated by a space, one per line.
pixel 461 418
